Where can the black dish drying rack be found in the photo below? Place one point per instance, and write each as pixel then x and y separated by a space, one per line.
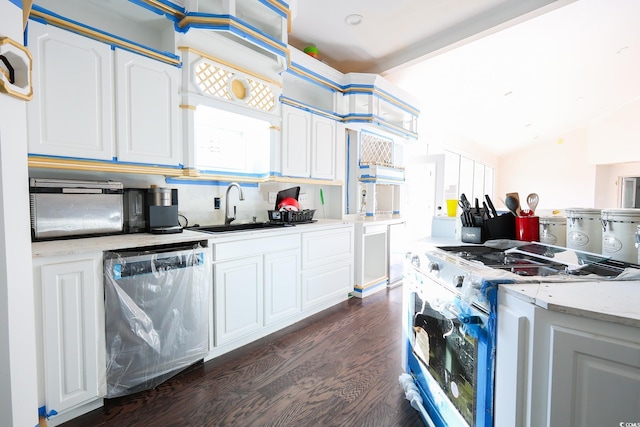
pixel 291 217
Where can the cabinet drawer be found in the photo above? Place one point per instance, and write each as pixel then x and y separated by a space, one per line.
pixel 323 247
pixel 321 284
pixel 247 247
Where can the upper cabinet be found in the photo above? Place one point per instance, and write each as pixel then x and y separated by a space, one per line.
pixel 147 110
pixel 308 144
pixel 92 101
pixel 71 113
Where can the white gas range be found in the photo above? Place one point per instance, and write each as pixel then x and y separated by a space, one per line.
pixel 450 320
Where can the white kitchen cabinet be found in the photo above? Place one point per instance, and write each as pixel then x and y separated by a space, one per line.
pixel 71 331
pixel 254 285
pixel 281 285
pixel 371 257
pixel 147 110
pixel 327 266
pixel 594 375
pixel 554 368
pixel 308 144
pixel 92 102
pixel 71 113
pixel 238 298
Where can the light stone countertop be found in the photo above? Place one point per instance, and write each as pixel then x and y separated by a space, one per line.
pixel 611 301
pixel 128 241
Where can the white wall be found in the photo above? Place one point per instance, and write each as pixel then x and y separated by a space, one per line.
pixel 557 170
pixel 607 180
pixel 18 384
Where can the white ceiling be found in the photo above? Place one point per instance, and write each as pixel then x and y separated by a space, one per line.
pixel 502 74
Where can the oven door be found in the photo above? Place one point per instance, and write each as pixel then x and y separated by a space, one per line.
pixel 449 353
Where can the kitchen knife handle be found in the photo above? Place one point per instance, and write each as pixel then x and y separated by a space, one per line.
pixel 491 206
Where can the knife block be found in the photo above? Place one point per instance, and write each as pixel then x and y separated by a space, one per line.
pixel 501 227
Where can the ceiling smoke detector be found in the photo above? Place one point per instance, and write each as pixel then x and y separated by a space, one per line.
pixel 353 19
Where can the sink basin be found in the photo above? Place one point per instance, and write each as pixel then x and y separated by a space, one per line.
pixel 221 228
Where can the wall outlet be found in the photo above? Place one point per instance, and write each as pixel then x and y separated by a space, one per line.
pixel 272 196
pixel 216 202
pixel 302 197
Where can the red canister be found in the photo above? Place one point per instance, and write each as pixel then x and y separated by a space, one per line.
pixel 528 228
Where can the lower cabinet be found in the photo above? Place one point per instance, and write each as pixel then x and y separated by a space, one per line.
pixel 70 331
pixel 264 284
pixel 238 297
pixel 281 285
pixel 327 266
pixel 255 283
pixel 558 369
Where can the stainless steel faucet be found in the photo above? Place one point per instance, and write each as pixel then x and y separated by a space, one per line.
pixel 227 217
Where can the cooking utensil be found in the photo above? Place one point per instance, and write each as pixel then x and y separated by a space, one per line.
pixel 324 215
pixel 516 196
pixel 532 202
pixel 512 204
pixel 467 216
pixel 491 206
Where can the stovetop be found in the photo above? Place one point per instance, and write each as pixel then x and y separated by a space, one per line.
pixel 540 260
pixel 463 268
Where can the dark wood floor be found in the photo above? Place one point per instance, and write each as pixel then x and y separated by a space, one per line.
pixel 338 368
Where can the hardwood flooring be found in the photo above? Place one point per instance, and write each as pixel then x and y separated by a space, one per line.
pixel 337 368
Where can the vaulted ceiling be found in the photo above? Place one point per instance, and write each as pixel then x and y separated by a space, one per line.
pixel 502 74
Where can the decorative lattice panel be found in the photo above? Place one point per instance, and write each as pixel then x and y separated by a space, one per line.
pixel 214 81
pixel 262 96
pixel 375 150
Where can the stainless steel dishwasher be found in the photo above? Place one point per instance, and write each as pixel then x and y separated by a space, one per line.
pixel 156 314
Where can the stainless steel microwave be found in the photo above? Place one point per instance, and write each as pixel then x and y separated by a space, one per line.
pixel 68 208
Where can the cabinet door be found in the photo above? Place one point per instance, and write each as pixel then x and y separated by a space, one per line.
pixel 595 378
pixel 73 320
pixel 296 142
pixel 282 285
pixel 147 110
pixel 323 148
pixel 238 298
pixel 71 113
pixel 326 283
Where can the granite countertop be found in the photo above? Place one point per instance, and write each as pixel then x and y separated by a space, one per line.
pixel 127 241
pixel 611 301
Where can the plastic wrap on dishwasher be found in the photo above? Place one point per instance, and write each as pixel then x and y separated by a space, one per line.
pixel 156 315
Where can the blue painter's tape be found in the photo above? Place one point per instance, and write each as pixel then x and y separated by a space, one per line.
pixel 47 12
pixel 117 271
pixel 274 8
pixel 210 182
pixel 280 49
pixel 17 3
pixel 158 11
pixel 42 412
pixel 320 77
pixel 114 160
pixel 346 192
pixel 324 83
pixel 318 111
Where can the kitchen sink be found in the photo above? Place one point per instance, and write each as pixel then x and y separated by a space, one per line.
pixel 226 228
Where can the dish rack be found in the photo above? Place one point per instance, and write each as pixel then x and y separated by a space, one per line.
pixel 305 215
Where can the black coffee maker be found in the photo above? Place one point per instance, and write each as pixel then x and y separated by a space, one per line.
pixel 162 208
pixel 151 210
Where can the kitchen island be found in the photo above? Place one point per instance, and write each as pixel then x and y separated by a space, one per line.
pixel 568 354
